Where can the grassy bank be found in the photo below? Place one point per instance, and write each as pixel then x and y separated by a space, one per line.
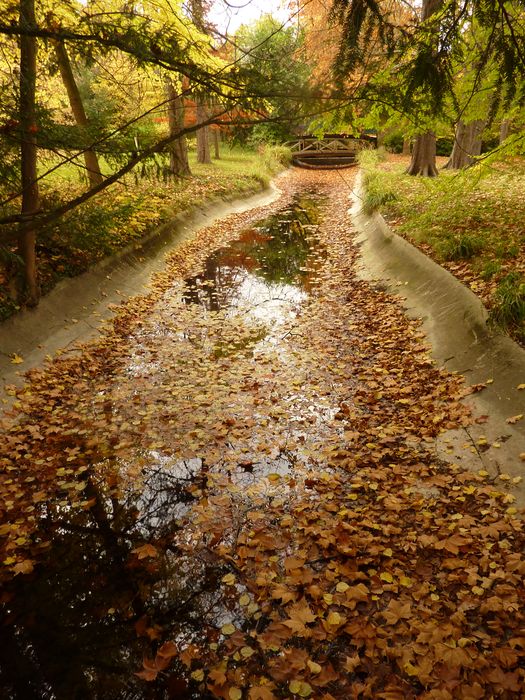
pixel 470 222
pixel 127 212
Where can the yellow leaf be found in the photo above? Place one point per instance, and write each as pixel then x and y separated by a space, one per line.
pixel 405 581
pixel 228 629
pixel 244 599
pixel 387 552
pixel 342 587
pixel 198 675
pixel 235 694
pixel 409 669
pixel 16 359
pixel 387 577
pixel 246 652
pixel 334 618
pixel 229 579
pixel 328 598
pixel 314 668
pixel 300 688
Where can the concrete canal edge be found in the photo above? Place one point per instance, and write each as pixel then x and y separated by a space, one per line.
pixel 76 309
pixel 455 322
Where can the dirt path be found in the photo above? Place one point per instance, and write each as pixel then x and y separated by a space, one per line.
pixel 236 493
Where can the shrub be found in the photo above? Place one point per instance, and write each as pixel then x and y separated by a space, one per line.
pixel 509 303
pixel 460 246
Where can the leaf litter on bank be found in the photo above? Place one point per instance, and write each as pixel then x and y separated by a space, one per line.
pixel 364 567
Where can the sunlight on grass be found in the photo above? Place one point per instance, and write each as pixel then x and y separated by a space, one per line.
pixel 471 221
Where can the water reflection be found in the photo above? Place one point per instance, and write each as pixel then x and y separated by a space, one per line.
pixel 267 270
pixel 114 583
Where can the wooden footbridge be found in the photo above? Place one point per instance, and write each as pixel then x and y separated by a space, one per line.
pixel 328 152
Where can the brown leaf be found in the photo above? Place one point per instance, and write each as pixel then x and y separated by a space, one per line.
pixel 145 551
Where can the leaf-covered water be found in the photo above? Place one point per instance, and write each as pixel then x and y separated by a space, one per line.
pixel 235 492
pixel 80 627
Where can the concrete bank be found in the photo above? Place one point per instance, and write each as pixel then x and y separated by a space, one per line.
pixel 76 308
pixel 455 322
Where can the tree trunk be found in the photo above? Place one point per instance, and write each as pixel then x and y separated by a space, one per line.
pixel 203 136
pixel 77 107
pixel 504 130
pixel 216 143
pixel 179 165
pixel 424 156
pixel 467 144
pixel 28 128
pixel 424 151
pixel 407 146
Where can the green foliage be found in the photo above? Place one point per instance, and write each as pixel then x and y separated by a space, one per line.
pixel 120 217
pixel 509 308
pixel 276 157
pixel 472 221
pixel 375 194
pixel 459 246
pixel 272 65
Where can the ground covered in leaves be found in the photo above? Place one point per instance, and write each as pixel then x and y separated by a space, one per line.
pixel 234 493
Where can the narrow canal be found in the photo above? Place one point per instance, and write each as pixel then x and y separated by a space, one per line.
pixel 111 581
pixel 235 492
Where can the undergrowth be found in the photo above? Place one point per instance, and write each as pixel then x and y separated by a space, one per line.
pixel 470 221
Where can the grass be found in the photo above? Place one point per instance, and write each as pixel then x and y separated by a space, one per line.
pixel 127 212
pixel 471 222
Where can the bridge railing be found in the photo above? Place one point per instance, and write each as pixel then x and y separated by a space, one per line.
pixel 327 145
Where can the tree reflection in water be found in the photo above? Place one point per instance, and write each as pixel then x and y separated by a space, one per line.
pixel 113 583
pixel 82 627
pixel 267 262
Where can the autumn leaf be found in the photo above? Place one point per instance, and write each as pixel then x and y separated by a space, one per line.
pixel 300 615
pixel 145 551
pixel 261 692
pixel 300 688
pixel 16 359
pixel 168 650
pixel 24 567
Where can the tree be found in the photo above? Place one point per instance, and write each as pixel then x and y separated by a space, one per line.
pixel 423 160
pixel 178 149
pixel 28 167
pixel 77 107
pixel 272 54
pixel 467 144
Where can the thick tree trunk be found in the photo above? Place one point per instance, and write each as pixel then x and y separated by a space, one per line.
pixel 28 128
pixel 77 107
pixel 203 136
pixel 424 156
pixel 504 130
pixel 467 144
pixel 407 146
pixel 424 151
pixel 216 143
pixel 179 165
